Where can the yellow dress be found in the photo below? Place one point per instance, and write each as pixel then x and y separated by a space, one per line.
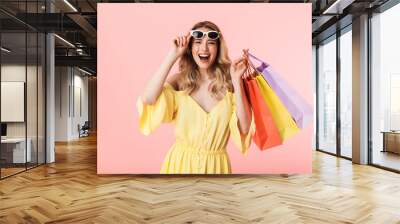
pixel 201 137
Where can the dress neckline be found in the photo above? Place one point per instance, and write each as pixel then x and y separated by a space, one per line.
pixel 213 107
pixel 197 104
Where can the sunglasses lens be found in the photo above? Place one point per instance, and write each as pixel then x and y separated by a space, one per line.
pixel 197 34
pixel 213 35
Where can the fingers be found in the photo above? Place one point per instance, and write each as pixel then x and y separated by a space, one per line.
pixel 246 53
pixel 177 41
pixel 237 61
pixel 241 64
pixel 185 41
pixel 187 37
pixel 182 41
pixel 234 63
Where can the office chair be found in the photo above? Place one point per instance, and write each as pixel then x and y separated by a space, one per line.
pixel 84 130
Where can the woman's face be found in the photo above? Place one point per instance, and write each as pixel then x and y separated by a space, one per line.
pixel 204 50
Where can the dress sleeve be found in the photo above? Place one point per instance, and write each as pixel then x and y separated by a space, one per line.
pixel 163 110
pixel 242 141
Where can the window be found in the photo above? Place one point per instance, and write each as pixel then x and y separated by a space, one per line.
pixel 385 89
pixel 346 92
pixel 327 95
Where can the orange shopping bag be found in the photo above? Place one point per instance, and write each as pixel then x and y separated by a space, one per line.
pixel 283 120
pixel 266 134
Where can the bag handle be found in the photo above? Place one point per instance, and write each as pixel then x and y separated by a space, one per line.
pixel 251 71
pixel 263 64
pixel 254 57
pixel 249 61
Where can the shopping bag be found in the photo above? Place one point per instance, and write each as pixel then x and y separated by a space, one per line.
pixel 266 134
pixel 281 116
pixel 297 106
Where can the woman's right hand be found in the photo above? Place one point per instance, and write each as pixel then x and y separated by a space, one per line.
pixel 180 45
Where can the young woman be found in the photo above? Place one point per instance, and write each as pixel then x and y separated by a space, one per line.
pixel 205 100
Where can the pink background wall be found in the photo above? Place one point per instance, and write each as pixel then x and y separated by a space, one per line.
pixel 132 41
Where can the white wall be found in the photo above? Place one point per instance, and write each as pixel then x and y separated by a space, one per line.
pixel 62 81
pixel 71 93
pixel 16 73
pixel 80 84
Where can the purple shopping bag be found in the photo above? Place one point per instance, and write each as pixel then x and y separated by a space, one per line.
pixel 297 106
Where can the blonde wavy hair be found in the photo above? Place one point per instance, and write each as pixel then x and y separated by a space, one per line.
pixel 189 75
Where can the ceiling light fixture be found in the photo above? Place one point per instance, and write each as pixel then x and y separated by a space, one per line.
pixel 64 40
pixel 5 50
pixel 84 71
pixel 331 7
pixel 337 7
pixel 70 5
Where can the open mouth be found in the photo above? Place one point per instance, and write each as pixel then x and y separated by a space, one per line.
pixel 204 57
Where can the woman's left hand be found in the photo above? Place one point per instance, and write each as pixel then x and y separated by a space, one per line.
pixel 238 68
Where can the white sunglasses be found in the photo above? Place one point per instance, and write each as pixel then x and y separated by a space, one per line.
pixel 198 34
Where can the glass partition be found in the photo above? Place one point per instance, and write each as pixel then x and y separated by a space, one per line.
pixel 385 89
pixel 327 95
pixel 22 77
pixel 13 103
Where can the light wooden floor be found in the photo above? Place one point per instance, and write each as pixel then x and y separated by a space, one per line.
pixel 388 159
pixel 69 191
pixel 10 171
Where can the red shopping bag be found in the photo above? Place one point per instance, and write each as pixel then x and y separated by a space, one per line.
pixel 266 134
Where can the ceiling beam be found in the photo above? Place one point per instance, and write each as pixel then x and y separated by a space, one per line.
pixel 86 26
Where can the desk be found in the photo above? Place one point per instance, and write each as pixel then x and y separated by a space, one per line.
pixel 15 148
pixel 391 141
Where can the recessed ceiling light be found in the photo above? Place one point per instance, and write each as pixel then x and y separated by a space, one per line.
pixel 337 7
pixel 64 40
pixel 5 50
pixel 84 71
pixel 70 5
